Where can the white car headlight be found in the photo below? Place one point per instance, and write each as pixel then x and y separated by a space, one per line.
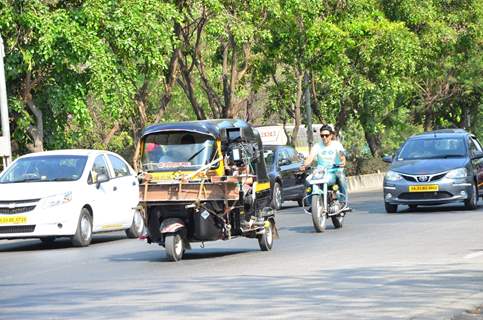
pixel 393 176
pixel 56 200
pixel 457 173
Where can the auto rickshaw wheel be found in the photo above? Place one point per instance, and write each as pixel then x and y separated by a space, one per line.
pixel 174 246
pixel 265 240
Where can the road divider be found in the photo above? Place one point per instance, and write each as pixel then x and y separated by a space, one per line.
pixel 365 181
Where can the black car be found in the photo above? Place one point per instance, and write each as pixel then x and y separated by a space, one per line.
pixel 286 179
pixel 436 167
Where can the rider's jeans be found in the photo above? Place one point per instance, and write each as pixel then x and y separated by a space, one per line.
pixel 342 182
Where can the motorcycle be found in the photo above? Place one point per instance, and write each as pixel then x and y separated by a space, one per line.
pixel 325 198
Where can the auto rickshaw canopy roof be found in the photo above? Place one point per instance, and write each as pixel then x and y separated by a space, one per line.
pixel 211 127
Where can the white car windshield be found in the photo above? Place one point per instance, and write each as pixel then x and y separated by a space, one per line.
pixel 179 150
pixel 431 148
pixel 45 168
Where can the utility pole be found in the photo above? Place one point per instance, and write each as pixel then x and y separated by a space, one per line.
pixel 5 144
pixel 308 111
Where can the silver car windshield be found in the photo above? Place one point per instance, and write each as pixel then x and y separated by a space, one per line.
pixel 433 148
pixel 45 168
pixel 179 150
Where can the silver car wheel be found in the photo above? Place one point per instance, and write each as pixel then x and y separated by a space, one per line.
pixel 85 228
pixel 138 222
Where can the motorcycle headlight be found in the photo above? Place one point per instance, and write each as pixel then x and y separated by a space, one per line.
pixel 393 176
pixel 56 200
pixel 457 173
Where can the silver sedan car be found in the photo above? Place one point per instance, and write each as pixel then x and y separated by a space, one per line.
pixel 435 168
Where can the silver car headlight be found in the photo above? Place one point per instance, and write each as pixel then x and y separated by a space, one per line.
pixel 457 173
pixel 393 176
pixel 56 200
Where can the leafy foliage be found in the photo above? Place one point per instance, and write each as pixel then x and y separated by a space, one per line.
pixel 93 73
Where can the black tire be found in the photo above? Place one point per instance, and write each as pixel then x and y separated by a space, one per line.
pixel 266 240
pixel 390 208
pixel 174 246
pixel 319 218
pixel 300 202
pixel 337 221
pixel 48 240
pixel 137 226
pixel 83 234
pixel 472 202
pixel 277 199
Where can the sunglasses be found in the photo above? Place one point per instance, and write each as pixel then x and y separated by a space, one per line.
pixel 325 135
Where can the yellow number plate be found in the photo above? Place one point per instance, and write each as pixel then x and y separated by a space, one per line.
pixel 13 220
pixel 424 188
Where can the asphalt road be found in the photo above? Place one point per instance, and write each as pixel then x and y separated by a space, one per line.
pixel 426 264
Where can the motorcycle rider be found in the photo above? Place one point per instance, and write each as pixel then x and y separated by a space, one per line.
pixel 329 154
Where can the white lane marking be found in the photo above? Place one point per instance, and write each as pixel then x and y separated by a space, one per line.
pixel 474 255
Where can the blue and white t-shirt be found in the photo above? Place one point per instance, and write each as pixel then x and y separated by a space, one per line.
pixel 327 156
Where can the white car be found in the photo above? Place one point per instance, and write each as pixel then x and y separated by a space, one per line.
pixel 69 193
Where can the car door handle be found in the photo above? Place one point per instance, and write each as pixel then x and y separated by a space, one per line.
pixel 114 189
pixel 134 183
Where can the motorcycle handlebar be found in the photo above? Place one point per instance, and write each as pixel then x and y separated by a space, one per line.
pixel 308 168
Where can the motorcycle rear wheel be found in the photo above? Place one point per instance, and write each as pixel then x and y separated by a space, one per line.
pixel 337 221
pixel 319 218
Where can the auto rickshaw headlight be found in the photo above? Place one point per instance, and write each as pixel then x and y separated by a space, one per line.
pixel 308 190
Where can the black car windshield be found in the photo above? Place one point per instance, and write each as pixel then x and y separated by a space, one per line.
pixel 178 150
pixel 45 168
pixel 433 148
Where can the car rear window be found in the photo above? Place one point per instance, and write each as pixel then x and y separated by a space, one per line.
pixel 433 148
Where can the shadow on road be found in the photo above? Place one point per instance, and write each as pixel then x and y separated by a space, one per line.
pixel 340 293
pixel 61 243
pixel 194 254
pixel 376 206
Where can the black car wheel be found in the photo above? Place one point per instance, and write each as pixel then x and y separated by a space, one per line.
pixel 277 196
pixel 472 202
pixel 390 208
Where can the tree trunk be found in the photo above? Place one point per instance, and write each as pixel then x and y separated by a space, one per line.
pixel 188 88
pixel 374 142
pixel 297 107
pixel 170 81
pixel 315 104
pixel 35 131
pixel 110 134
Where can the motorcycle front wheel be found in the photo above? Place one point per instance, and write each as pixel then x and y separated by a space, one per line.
pixel 319 218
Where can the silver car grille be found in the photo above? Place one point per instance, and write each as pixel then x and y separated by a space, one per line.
pixel 17 206
pixel 424 178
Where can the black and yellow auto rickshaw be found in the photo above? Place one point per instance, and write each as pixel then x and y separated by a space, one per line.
pixel 204 181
